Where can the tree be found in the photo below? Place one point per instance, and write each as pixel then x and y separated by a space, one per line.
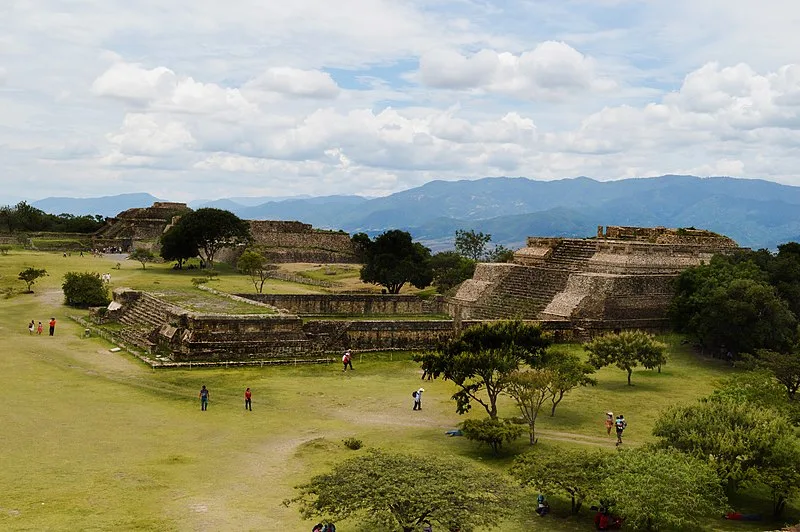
pixel 654 489
pixel 626 350
pixel 394 491
pixel 481 357
pixel 758 388
pixel 784 366
pixel 255 265
pixel 493 432
pixel 741 441
pixel 143 255
pixel 85 290
pixel 576 472
pixel 177 245
pixel 361 245
pixel 530 389
pixel 211 230
pixel 500 253
pixel 30 275
pixel 450 269
pixel 471 245
pixel 569 372
pixel 393 260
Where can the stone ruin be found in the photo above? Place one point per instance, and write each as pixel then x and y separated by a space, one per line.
pixel 279 241
pixel 622 278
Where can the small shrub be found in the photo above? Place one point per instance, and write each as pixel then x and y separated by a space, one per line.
pixel 353 443
pixel 4 249
pixel 197 281
pixel 85 290
pixel 492 432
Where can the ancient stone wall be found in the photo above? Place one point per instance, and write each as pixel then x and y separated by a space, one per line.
pixel 665 235
pixel 279 234
pixel 351 304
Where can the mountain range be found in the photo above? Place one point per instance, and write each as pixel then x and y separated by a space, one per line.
pixel 754 212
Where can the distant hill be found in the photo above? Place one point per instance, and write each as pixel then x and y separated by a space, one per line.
pixel 756 213
pixel 105 206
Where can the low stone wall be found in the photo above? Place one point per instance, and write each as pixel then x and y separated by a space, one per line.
pixel 351 304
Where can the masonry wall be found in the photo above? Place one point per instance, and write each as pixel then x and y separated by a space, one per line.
pixel 351 304
pixel 281 234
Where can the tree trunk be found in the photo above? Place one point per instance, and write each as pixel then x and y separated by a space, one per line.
pixel 555 404
pixel 532 430
pixel 778 506
pixel 629 376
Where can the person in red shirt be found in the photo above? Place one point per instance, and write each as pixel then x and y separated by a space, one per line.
pixel 248 403
pixel 52 326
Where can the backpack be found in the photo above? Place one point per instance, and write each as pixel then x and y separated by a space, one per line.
pixel 414 394
pixel 621 424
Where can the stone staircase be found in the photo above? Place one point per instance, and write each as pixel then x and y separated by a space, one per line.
pixel 141 318
pixel 572 255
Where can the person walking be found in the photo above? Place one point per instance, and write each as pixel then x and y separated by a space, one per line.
pixel 347 360
pixel 248 402
pixel 39 329
pixel 204 398
pixel 418 399
pixel 52 326
pixel 620 424
pixel 31 326
pixel 609 422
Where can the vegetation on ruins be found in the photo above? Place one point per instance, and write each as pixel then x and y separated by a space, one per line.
pixel 741 303
pixel 30 275
pixel 85 289
pixel 177 245
pixel 480 359
pixel 24 217
pixel 394 259
pixel 575 472
pixel 450 269
pixel 211 230
pixel 744 443
pixel 473 246
pixel 395 491
pixel 143 255
pixel 626 350
pixel 653 489
pixel 256 266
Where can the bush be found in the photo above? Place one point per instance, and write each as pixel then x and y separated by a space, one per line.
pixel 85 290
pixel 353 443
pixel 492 432
pixel 4 249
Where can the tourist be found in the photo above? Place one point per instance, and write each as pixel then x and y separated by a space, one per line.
pixel 248 403
pixel 347 360
pixel 620 425
pixel 609 422
pixel 542 506
pixel 31 326
pixel 39 329
pixel 204 398
pixel 418 399
pixel 52 326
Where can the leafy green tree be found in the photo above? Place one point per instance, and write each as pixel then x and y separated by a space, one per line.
pixel 361 244
pixel 758 388
pixel 654 489
pixel 450 269
pixel 481 357
pixel 530 389
pixel 177 245
pixel 211 230
pixel 30 275
pixel 394 259
pixel 500 253
pixel 4 249
pixel 741 441
pixel 626 350
pixel 569 372
pixel 142 255
pixel 785 367
pixel 256 266
pixel 85 290
pixel 493 432
pixel 394 491
pixel 576 472
pixel 471 245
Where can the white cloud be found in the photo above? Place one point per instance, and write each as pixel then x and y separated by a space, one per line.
pixel 145 135
pixel 550 70
pixel 296 82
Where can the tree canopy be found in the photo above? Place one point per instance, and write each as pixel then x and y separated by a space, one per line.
pixel 211 229
pixel 394 491
pixel 394 259
pixel 177 245
pixel 450 269
pixel 143 255
pixel 30 275
pixel 626 350
pixel 471 245
pixel 480 359
pixel 25 217
pixel 85 289
pixel 256 266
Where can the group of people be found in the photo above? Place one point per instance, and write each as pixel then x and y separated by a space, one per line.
pixel 618 424
pixel 38 329
pixel 205 395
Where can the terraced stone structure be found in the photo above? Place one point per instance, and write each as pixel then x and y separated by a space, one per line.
pixel 622 278
pixel 139 227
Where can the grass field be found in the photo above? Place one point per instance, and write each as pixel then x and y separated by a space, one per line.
pixel 93 440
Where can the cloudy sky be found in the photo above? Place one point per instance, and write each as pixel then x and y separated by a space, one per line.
pixel 189 99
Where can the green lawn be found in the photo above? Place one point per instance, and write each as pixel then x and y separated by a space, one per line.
pixel 93 440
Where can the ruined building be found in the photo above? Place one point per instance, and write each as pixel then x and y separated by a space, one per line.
pixel 622 278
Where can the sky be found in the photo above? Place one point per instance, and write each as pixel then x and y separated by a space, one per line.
pixel 204 99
